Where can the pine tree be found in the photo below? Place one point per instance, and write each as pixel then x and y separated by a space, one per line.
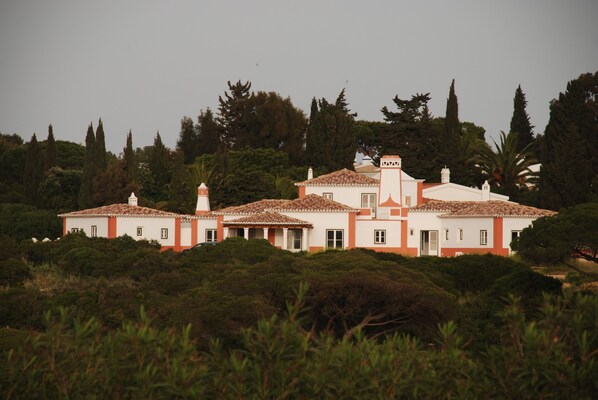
pixel 51 152
pixel 520 121
pixel 34 170
pixel 208 135
pixel 569 173
pixel 188 140
pixel 232 114
pixel 129 158
pixel 100 146
pixel 89 168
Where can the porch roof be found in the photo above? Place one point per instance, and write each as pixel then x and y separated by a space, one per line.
pixel 267 219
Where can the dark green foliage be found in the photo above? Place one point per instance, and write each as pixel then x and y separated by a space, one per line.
pixel 34 171
pixel 159 168
pixel 100 147
pixel 569 173
pixel 181 193
pixel 89 170
pixel 59 189
pixel 112 185
pixel 70 155
pixel 331 141
pixel 130 159
pixel 520 120
pixel 13 272
pixel 572 233
pixel 232 111
pixel 21 221
pixel 208 136
pixel 51 158
pixel 188 142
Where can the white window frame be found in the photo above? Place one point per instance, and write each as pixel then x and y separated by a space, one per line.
pixel 335 239
pixel 369 200
pixel 74 230
pixel 94 231
pixel 483 237
pixel 164 233
pixel 460 234
pixel 446 235
pixel 328 195
pixel 211 235
pixel 379 236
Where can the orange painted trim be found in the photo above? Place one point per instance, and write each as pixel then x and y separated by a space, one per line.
pixel 177 234
pixel 451 252
pixel 313 249
pixel 497 233
pixel 64 227
pixel 351 243
pixel 219 228
pixel 201 212
pixel 111 227
pixel 420 193
pixel 301 192
pixel 194 232
pixel 271 236
pixel 390 202
pixel 365 211
pixel 409 251
pixel 395 212
pixel 404 212
pixel 404 235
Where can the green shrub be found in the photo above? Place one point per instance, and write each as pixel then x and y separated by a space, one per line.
pixel 13 272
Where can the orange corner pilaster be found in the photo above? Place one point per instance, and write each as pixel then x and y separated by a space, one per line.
pixel 193 232
pixel 111 227
pixel 497 233
pixel 219 228
pixel 352 217
pixel 301 191
pixel 420 192
pixel 177 234
pixel 63 226
pixel 404 235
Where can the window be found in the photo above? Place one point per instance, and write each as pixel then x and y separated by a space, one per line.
pixel 368 200
pixel 164 233
pixel 94 231
pixel 460 234
pixel 211 235
pixel 139 231
pixel 334 238
pixel 408 201
pixel 446 236
pixel 380 236
pixel 294 239
pixel 411 232
pixel 483 237
pixel 74 230
pixel 327 195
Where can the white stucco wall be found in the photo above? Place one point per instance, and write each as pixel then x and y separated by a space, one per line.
pixel 364 236
pixel 202 226
pixel 455 192
pixel 423 221
pixel 185 233
pixel 513 224
pixel 151 228
pixel 471 232
pixel 85 223
pixel 350 196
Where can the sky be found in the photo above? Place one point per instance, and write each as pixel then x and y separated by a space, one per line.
pixel 142 65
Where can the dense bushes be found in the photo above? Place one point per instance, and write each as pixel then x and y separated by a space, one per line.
pixel 21 221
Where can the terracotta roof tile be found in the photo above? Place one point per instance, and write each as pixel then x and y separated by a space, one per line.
pixel 344 177
pixel 251 208
pixel 267 219
pixel 492 208
pixel 114 210
pixel 313 202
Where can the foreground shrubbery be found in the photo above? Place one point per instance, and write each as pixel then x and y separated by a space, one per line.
pixel 554 356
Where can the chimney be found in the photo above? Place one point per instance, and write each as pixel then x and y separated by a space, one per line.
pixel 310 173
pixel 485 191
pixel 366 160
pixel 132 199
pixel 390 191
pixel 203 200
pixel 445 175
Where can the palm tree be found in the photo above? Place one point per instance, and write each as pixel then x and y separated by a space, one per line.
pixel 509 169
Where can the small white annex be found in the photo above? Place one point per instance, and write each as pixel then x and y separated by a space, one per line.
pixel 384 209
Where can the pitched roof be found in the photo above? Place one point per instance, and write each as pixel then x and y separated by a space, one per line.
pixel 117 210
pixel 492 208
pixel 267 219
pixel 251 208
pixel 343 177
pixel 313 202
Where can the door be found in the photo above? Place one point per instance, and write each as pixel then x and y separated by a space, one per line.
pixel 428 243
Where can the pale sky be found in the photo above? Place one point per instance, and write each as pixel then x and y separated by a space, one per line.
pixel 143 65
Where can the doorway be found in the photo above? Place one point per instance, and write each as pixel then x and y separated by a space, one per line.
pixel 428 243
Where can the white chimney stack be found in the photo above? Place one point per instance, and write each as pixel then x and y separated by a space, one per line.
pixel 203 200
pixel 132 199
pixel 485 191
pixel 310 173
pixel 445 175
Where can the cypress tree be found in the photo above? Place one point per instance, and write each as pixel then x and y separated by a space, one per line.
pixel 207 132
pixel 51 152
pixel 159 165
pixel 129 158
pixel 34 170
pixel 180 192
pixel 188 140
pixel 232 115
pixel 314 136
pixel 451 141
pixel 89 168
pixel 100 147
pixel 520 121
pixel 569 173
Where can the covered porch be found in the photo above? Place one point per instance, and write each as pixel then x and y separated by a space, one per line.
pixel 281 231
